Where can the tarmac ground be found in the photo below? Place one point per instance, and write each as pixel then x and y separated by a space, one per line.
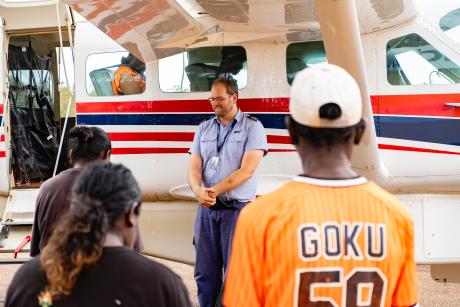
pixel 433 294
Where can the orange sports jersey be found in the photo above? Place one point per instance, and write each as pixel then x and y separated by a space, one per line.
pixel 323 243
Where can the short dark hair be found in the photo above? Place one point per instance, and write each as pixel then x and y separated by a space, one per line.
pixel 325 137
pixel 230 85
pixel 322 137
pixel 88 143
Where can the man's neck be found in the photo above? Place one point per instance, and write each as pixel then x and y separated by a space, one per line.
pixel 81 164
pixel 112 239
pixel 229 117
pixel 330 172
pixel 328 165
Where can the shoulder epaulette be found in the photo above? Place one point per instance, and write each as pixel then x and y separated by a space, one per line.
pixel 206 119
pixel 252 117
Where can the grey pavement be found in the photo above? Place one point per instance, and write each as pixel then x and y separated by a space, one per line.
pixel 433 294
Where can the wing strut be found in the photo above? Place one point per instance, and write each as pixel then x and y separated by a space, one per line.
pixel 340 30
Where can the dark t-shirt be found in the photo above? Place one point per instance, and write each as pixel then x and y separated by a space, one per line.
pixel 121 277
pixel 53 201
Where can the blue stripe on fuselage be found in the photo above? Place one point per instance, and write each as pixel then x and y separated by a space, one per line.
pixel 274 121
pixel 423 129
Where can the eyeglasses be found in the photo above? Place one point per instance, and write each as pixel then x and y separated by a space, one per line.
pixel 218 99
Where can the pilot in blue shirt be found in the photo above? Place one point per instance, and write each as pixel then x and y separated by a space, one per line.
pixel 225 154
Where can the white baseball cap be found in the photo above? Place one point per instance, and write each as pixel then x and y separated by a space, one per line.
pixel 316 86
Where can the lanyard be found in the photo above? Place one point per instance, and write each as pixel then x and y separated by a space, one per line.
pixel 219 147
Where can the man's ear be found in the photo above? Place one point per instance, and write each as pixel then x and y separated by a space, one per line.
pixel 130 216
pixel 234 98
pixel 106 155
pixel 359 131
pixel 292 133
pixel 72 157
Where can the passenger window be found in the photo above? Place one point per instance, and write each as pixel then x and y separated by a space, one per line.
pixel 194 70
pixel 302 55
pixel 411 60
pixel 114 73
pixel 450 24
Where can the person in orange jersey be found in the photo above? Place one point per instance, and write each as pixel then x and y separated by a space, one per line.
pixel 330 237
pixel 128 78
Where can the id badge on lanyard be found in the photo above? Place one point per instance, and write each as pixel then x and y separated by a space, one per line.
pixel 215 160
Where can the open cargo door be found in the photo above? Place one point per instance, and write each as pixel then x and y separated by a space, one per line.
pixel 28 151
pixel 32 138
pixel 33 128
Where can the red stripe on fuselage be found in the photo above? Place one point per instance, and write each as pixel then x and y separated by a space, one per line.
pixel 152 136
pixel 180 106
pixel 2 153
pixel 416 149
pixel 422 105
pixel 281 150
pixel 278 139
pixel 143 151
pixel 177 137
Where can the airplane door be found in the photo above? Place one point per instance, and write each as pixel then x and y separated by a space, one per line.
pixel 35 22
pixel 418 110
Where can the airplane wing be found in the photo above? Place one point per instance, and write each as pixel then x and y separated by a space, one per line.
pixel 152 29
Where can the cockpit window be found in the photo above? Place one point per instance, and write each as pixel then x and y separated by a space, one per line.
pixel 302 55
pixel 411 60
pixel 114 73
pixel 196 69
pixel 450 24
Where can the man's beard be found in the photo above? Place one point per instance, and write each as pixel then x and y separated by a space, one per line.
pixel 222 111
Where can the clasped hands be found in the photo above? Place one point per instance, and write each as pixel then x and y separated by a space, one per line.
pixel 206 196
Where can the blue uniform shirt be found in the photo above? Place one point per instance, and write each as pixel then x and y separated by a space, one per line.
pixel 247 134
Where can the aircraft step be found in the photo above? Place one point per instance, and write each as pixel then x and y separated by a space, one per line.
pixel 17 219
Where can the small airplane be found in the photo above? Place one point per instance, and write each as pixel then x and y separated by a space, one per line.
pixel 404 54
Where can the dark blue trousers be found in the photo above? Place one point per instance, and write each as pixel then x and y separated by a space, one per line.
pixel 213 237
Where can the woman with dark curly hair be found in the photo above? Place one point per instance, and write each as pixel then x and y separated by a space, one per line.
pixel 86 145
pixel 89 260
